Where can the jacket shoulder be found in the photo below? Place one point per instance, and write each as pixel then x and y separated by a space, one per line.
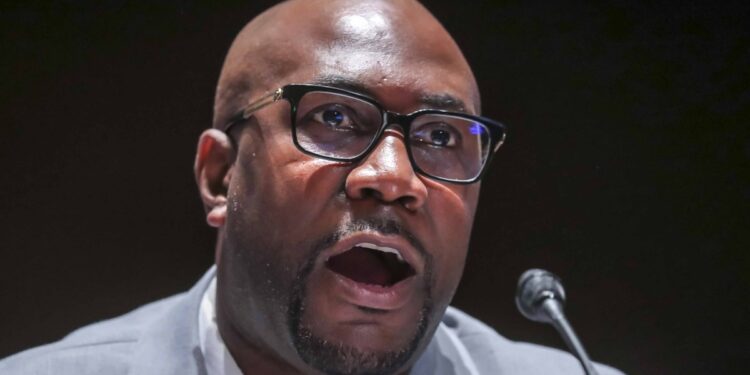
pixel 105 347
pixel 495 354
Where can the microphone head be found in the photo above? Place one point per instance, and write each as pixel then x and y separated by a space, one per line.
pixel 534 287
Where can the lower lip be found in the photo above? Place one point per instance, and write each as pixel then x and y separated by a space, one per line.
pixel 373 296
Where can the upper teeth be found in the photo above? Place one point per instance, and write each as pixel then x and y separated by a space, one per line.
pixel 381 248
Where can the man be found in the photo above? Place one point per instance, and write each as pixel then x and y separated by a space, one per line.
pixel 342 174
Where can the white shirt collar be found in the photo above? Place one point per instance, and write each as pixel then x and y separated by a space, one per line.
pixel 217 358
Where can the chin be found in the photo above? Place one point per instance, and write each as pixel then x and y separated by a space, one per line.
pixel 359 350
pixel 334 336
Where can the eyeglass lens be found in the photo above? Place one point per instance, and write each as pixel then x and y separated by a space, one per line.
pixel 343 127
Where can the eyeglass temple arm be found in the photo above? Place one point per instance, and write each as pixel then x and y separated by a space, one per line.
pixel 262 102
pixel 500 142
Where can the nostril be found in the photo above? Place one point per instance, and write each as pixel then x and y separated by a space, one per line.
pixel 408 202
pixel 371 193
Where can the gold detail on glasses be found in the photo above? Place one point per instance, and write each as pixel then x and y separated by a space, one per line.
pixel 262 102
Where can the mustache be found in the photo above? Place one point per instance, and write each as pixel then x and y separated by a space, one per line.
pixel 381 225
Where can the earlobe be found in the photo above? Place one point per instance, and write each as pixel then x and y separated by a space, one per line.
pixel 213 165
pixel 217 216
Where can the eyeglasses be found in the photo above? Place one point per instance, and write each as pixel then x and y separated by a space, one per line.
pixel 341 125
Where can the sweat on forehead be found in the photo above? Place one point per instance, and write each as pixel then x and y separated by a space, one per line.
pixel 300 40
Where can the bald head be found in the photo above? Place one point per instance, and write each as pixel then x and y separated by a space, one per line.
pixel 302 41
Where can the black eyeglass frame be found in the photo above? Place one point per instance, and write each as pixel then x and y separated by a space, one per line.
pixel 293 93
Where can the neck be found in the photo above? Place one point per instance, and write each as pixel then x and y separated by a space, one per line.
pixel 250 357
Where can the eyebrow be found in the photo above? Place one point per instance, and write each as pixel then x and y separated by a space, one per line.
pixel 442 101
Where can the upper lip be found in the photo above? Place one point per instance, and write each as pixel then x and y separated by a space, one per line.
pixel 410 254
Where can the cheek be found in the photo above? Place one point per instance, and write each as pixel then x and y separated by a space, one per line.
pixel 451 209
pixel 272 215
pixel 300 195
pixel 275 213
pixel 280 190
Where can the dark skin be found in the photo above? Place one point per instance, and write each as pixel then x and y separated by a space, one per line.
pixel 273 205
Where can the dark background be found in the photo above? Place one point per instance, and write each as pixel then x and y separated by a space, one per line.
pixel 626 171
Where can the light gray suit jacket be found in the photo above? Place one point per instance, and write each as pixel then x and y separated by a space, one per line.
pixel 161 338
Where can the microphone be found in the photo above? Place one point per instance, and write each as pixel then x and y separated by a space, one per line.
pixel 540 297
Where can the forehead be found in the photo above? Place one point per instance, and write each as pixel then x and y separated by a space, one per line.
pixel 396 51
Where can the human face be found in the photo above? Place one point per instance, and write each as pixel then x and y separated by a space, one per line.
pixel 304 266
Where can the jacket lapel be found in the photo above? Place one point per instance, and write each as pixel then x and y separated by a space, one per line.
pixel 169 344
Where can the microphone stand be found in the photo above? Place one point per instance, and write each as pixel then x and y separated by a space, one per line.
pixel 554 311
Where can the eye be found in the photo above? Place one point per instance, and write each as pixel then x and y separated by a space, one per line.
pixel 437 135
pixel 441 137
pixel 335 117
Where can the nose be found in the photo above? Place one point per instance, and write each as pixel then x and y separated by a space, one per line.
pixel 386 174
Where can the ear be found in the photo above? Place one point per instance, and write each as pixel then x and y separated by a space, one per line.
pixel 213 162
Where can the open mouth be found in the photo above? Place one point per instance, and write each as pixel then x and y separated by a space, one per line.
pixel 371 264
